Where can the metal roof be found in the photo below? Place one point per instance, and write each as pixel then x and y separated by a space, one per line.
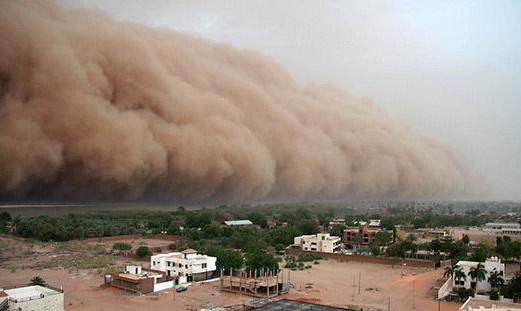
pixel 245 222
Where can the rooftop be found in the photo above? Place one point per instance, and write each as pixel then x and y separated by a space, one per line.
pixel 30 291
pixel 189 251
pixel 244 222
pixel 286 304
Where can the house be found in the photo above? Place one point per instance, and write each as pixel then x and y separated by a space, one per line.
pixel 490 264
pixel 33 297
pixel 368 235
pixel 321 242
pixel 238 223
pixel 188 265
pixel 141 280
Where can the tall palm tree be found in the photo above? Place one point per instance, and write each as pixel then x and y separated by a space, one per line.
pixel 477 273
pixel 459 275
pixel 449 270
pixel 495 279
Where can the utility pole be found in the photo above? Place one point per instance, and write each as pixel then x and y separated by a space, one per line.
pixel 389 304
pixel 359 281
pixel 354 285
pixel 414 295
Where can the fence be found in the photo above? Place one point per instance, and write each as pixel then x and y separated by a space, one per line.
pixel 371 259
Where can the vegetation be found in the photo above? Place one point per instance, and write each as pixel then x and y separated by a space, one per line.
pixel 119 246
pixel 37 281
pixel 143 251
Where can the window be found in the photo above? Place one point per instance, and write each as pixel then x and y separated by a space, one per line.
pixel 168 263
pixel 153 263
pixel 204 266
pixel 186 266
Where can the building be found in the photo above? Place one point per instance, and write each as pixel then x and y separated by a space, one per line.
pixel 322 242
pixel 238 223
pixel 475 304
pixel 490 264
pixel 258 283
pixel 501 226
pixel 374 223
pixel 188 265
pixel 367 235
pixel 335 222
pixel 141 280
pixel 286 304
pixel 31 298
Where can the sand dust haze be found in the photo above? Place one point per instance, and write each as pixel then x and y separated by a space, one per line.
pixel 91 108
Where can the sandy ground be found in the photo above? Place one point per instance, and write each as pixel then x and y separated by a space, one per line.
pixel 330 282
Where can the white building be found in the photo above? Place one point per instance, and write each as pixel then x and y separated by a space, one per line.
pixel 500 225
pixel 491 264
pixel 321 242
pixel 374 223
pixel 188 265
pixel 34 297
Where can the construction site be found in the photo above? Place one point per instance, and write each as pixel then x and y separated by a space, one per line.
pixel 256 283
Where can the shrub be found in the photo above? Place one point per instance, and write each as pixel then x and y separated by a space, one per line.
pixel 143 251
pixel 494 295
pixel 172 247
pixel 122 246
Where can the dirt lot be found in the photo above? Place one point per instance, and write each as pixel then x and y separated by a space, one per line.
pixel 330 282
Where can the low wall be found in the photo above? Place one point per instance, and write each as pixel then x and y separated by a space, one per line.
pixel 372 259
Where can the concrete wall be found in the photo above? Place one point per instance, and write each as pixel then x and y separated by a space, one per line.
pixel 372 259
pixel 48 303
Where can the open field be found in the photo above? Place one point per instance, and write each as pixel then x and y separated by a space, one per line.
pixel 330 282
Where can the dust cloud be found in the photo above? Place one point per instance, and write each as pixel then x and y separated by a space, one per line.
pixel 91 108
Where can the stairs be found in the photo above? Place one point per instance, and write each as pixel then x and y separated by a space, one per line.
pixel 4 304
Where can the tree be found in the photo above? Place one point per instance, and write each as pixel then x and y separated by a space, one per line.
pixel 477 273
pixel 228 259
pixel 258 219
pixel 411 237
pixel 357 240
pixel 337 230
pixel 515 284
pixel 143 251
pixel 495 279
pixel 459 275
pixel 383 238
pixel 260 261
pixel 465 239
pixel 449 270
pixel 37 281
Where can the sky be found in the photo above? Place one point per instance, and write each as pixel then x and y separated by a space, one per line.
pixel 450 69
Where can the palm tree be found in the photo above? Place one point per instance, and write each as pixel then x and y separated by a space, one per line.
pixel 37 281
pixel 477 273
pixel 449 270
pixel 495 279
pixel 459 275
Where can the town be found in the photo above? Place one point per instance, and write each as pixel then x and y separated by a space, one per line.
pixel 346 255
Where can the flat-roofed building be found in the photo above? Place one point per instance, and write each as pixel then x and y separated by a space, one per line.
pixel 501 226
pixel 367 235
pixel 34 297
pixel 490 265
pixel 141 280
pixel 321 242
pixel 188 265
